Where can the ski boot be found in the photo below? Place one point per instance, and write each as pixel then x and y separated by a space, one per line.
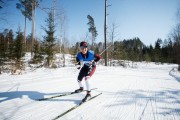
pixel 79 90
pixel 87 97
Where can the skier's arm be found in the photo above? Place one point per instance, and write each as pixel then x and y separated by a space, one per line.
pixel 78 61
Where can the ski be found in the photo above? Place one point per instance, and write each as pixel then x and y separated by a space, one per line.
pixel 69 110
pixel 61 95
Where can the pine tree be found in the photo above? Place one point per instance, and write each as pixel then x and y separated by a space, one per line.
pixel 92 29
pixel 26 9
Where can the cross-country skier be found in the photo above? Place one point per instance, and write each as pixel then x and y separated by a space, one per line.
pixel 87 60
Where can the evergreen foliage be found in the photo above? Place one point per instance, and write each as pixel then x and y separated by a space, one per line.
pixel 49 40
pixel 12 46
pixel 38 54
pixel 25 7
pixel 92 29
pixel 74 50
pixel 18 46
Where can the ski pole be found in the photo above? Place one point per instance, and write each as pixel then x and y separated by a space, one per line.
pixel 105 49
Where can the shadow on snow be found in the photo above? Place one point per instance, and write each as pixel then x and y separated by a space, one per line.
pixel 5 96
pixel 170 98
pixel 171 73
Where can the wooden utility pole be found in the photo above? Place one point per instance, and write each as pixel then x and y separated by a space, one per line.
pixel 105 31
pixel 54 11
pixel 33 24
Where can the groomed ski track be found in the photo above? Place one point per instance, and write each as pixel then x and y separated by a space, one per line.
pixel 149 92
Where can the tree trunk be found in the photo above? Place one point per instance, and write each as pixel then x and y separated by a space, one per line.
pixel 33 15
pixel 105 28
pixel 25 35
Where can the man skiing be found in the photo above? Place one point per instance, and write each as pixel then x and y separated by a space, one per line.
pixel 87 60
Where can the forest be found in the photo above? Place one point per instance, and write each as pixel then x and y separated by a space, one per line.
pixel 14 44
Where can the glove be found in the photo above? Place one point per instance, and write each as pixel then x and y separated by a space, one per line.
pixel 78 68
pixel 81 65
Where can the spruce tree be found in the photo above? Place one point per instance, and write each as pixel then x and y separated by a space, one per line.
pixel 38 55
pixel 49 39
pixel 157 50
pixel 11 43
pixel 18 52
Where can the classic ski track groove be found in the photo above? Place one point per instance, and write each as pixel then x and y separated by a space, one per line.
pixel 75 107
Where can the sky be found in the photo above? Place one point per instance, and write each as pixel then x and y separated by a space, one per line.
pixel 146 19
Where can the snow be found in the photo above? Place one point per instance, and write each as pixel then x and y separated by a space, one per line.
pixel 147 92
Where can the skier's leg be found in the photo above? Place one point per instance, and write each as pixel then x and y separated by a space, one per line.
pixel 88 95
pixel 88 86
pixel 87 79
pixel 80 84
pixel 79 80
pixel 80 87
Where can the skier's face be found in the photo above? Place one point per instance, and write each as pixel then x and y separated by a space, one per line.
pixel 84 50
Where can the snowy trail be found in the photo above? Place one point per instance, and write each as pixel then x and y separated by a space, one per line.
pixel 149 92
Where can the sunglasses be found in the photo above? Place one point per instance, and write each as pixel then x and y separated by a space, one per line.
pixel 83 47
